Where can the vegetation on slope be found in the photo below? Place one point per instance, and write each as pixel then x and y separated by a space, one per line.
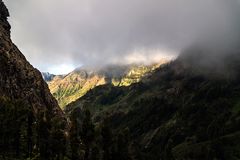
pixel 179 112
pixel 24 135
pixel 69 88
pixel 184 110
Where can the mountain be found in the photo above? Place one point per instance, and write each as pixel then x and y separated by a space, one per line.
pixel 28 111
pixel 74 85
pixel 183 110
pixel 48 76
pixel 186 109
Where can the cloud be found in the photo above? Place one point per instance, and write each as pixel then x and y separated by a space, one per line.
pixel 146 56
pixel 94 32
pixel 61 69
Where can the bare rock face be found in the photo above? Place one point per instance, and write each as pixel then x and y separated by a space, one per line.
pixel 19 80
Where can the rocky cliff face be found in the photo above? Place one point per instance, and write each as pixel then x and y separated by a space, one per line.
pixel 32 124
pixel 19 80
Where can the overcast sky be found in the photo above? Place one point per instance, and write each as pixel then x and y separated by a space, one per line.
pixel 59 35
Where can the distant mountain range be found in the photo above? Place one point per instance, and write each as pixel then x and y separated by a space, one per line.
pixel 47 76
pixel 70 87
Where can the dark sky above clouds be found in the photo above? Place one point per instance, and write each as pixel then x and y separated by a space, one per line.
pixel 58 35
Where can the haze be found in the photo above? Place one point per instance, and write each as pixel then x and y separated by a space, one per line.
pixel 59 35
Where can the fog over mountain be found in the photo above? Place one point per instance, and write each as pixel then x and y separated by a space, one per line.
pixel 55 33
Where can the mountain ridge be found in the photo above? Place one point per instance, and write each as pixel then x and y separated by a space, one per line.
pixel 77 83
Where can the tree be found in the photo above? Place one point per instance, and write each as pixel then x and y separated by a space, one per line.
pixel 43 132
pixel 87 133
pixel 121 151
pixel 58 139
pixel 74 136
pixel 107 140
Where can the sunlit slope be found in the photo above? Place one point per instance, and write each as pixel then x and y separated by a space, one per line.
pixel 134 74
pixel 77 83
pixel 74 85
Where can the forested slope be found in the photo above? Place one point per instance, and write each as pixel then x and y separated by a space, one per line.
pixel 184 110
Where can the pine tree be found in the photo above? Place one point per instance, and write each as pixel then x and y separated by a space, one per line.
pixel 75 141
pixel 58 139
pixel 43 136
pixel 121 151
pixel 107 140
pixel 87 133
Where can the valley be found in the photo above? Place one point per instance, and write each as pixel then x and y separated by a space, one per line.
pixel 187 108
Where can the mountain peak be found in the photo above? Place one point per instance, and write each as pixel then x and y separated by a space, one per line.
pixel 3 11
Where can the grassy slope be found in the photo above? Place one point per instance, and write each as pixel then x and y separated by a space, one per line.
pixel 76 84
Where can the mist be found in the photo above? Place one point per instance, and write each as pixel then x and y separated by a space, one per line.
pixel 91 32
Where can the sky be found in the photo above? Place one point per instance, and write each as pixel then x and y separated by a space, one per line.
pixel 60 35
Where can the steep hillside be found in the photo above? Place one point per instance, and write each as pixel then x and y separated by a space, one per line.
pixel 184 110
pixel 69 88
pixel 19 80
pixel 26 104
